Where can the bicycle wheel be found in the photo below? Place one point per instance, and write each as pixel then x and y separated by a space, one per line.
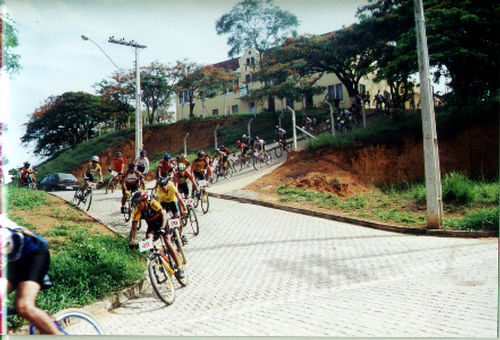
pixel 277 151
pixel 75 322
pixel 88 199
pixel 128 210
pixel 76 198
pixel 161 280
pixel 204 201
pixel 193 221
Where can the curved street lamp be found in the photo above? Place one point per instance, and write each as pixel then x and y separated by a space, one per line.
pixel 87 38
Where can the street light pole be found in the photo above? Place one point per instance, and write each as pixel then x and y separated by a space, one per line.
pixel 431 155
pixel 138 113
pixel 99 47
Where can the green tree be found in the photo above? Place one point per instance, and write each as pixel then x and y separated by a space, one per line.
pixel 8 41
pixel 64 121
pixel 259 24
pixel 199 82
pixel 462 38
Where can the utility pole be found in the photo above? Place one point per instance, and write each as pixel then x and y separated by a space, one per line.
pixel 433 188
pixel 138 113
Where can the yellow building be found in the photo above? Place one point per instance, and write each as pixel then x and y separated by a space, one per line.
pixel 236 100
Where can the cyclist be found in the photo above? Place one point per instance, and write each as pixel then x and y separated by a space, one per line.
pixel 200 166
pixel 169 198
pixel 25 173
pixel 180 180
pixel 93 170
pixel 222 153
pixel 183 159
pixel 260 145
pixel 118 163
pixel 131 181
pixel 156 219
pixel 165 168
pixel 28 262
pixel 244 149
pixel 142 165
pixel 281 134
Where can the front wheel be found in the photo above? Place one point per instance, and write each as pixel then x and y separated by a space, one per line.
pixel 128 210
pixel 75 322
pixel 193 221
pixel 161 280
pixel 204 201
pixel 277 151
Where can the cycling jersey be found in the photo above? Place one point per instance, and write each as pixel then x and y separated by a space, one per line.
pixel 118 164
pixel 168 195
pixel 151 213
pixel 164 167
pixel 131 177
pixel 92 171
pixel 199 165
pixel 17 241
pixel 182 177
pixel 142 164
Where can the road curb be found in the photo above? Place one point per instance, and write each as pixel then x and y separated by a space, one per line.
pixel 365 223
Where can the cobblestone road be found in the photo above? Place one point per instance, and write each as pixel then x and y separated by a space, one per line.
pixel 259 271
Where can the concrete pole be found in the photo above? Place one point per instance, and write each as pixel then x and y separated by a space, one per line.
pixel 185 143
pixel 293 128
pixel 332 121
pixel 248 127
pixel 215 136
pixel 138 113
pixel 431 154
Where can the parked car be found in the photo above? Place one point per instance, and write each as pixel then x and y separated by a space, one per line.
pixel 58 181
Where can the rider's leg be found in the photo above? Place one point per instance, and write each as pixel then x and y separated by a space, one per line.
pixel 24 303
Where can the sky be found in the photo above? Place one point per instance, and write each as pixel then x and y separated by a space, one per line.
pixel 55 59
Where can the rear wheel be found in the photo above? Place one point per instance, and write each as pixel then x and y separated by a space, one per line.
pixel 161 280
pixel 193 221
pixel 204 201
pixel 277 151
pixel 88 199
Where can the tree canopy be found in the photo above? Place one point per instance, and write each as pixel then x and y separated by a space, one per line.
pixel 8 41
pixel 64 121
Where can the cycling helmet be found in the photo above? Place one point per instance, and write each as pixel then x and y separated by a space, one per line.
pixel 95 159
pixel 181 166
pixel 131 165
pixel 166 156
pixel 143 153
pixel 27 164
pixel 222 146
pixel 118 154
pixel 276 127
pixel 216 150
pixel 139 196
pixel 163 181
pixel 200 153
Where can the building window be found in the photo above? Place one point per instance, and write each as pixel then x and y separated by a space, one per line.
pixel 335 92
pixel 248 78
pixel 289 103
pixel 234 109
pixel 250 61
pixel 183 97
pixel 309 101
pixel 362 89
pixel 252 107
pixel 215 112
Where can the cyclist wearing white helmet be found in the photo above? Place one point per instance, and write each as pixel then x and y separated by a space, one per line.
pixel 93 170
pixel 180 179
pixel 142 163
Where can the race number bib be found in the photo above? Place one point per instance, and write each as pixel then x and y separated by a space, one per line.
pixel 146 245
pixel 174 223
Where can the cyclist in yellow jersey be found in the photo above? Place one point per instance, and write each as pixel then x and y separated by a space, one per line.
pixel 169 198
pixel 156 219
pixel 92 172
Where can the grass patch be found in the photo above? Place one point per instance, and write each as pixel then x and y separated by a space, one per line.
pixel 24 199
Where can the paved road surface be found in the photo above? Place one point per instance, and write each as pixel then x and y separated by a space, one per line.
pixel 258 271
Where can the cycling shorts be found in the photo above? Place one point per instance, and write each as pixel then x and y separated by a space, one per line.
pixel 90 177
pixel 132 186
pixel 199 175
pixel 154 227
pixel 183 188
pixel 141 168
pixel 31 267
pixel 170 206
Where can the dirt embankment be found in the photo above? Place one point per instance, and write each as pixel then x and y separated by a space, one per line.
pixel 350 171
pixel 160 139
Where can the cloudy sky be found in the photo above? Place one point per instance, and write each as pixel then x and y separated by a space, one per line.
pixel 55 59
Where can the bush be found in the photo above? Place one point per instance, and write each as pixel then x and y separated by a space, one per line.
pixel 457 189
pixel 483 219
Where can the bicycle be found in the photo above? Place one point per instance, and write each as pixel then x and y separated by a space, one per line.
pixel 85 197
pixel 113 181
pixel 202 197
pixel 29 182
pixel 69 321
pixel 161 267
pixel 127 212
pixel 282 147
pixel 190 216
pixel 263 159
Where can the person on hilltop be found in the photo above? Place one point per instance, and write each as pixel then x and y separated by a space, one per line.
pixel 26 174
